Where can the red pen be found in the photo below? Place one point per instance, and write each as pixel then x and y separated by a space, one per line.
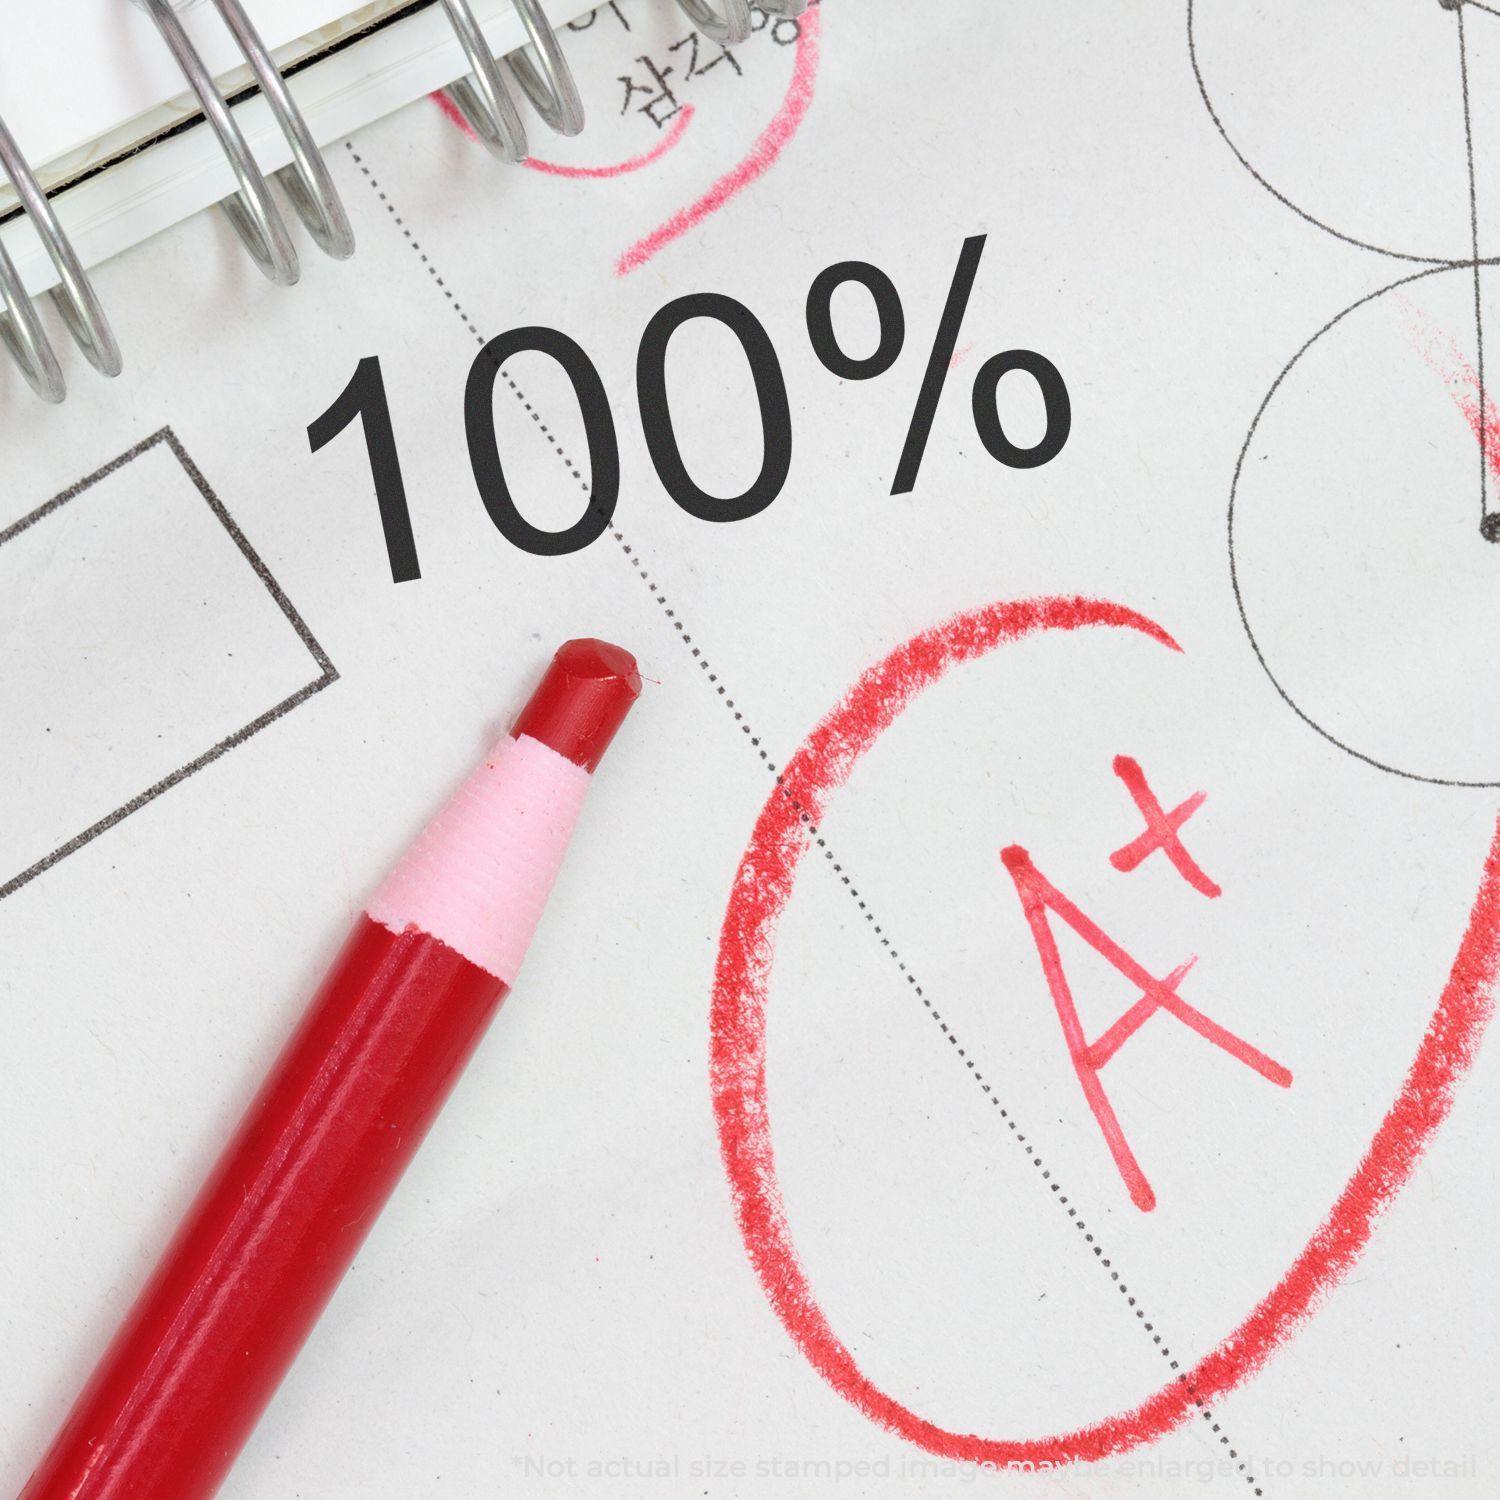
pixel 342 1113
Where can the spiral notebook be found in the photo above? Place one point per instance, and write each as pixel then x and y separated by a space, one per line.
pixel 109 110
pixel 1014 1023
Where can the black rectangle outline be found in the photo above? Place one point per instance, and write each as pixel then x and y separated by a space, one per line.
pixel 328 673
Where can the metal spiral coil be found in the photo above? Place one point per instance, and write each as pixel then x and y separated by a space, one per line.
pixel 307 182
pixel 539 69
pixel 542 72
pixel 20 325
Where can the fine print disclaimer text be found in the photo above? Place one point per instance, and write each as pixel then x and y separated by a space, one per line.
pixel 673 1467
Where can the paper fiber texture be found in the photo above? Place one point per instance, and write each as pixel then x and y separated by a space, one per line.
pixel 1097 1082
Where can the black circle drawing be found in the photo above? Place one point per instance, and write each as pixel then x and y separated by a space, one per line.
pixel 1285 200
pixel 1489 519
pixel 1236 581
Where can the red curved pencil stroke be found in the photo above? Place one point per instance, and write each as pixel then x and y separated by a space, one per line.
pixel 561 169
pixel 767 148
pixel 620 168
pixel 763 884
pixel 452 113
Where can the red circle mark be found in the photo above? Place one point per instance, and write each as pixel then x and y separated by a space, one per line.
pixel 619 168
pixel 559 169
pixel 762 886
pixel 763 154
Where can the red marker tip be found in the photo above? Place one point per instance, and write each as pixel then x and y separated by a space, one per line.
pixel 582 700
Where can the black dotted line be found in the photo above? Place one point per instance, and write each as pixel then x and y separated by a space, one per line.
pixel 1204 1411
pixel 805 818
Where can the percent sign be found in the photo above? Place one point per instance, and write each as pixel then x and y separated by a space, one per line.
pixel 365 397
pixel 892 322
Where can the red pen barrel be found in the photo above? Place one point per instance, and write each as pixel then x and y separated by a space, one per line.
pixel 277 1224
pixel 344 1110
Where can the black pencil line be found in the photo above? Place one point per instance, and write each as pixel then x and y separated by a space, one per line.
pixel 228 743
pixel 1484 423
pixel 79 486
pixel 251 556
pixel 327 674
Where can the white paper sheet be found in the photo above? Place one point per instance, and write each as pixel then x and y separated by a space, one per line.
pixel 119 131
pixel 559 1301
pixel 71 70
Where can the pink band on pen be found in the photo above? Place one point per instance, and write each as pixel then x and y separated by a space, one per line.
pixel 478 877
